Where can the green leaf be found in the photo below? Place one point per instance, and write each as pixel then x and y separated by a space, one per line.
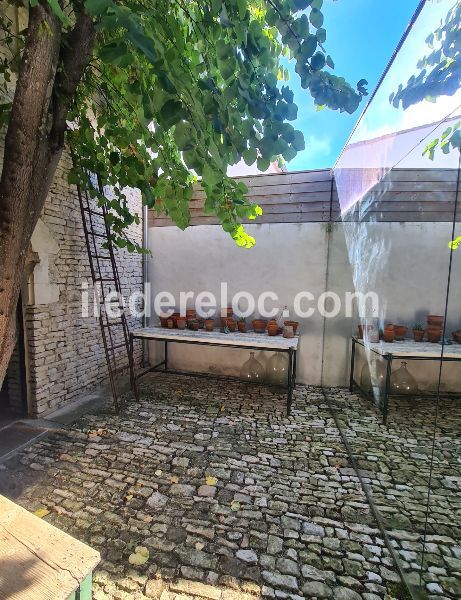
pixel 292 112
pixel 318 61
pixel 211 176
pixel 249 156
pixel 321 35
pixel 223 50
pixel 183 135
pixel 301 4
pixel 316 18
pixel 54 5
pixel 455 139
pixel 171 112
pixel 113 52
pixel 144 44
pixel 298 141
pixel 97 7
pixel 289 153
pixel 114 158
pixel 309 46
pixel 263 164
pixel 429 150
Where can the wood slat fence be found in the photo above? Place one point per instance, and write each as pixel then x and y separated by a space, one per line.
pixel 403 195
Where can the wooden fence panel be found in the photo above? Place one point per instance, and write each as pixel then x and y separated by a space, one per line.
pixel 403 195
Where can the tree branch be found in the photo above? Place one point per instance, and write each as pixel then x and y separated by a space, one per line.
pixel 75 57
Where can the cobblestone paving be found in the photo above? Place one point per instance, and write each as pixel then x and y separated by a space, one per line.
pixel 232 499
pixel 395 462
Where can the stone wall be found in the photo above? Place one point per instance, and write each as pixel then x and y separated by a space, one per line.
pixel 64 350
pixel 13 383
pixel 66 353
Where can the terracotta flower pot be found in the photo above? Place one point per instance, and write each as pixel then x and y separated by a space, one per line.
pixel 193 324
pixel 273 328
pixel 418 335
pixel 457 336
pixel 389 333
pixel 226 313
pixel 209 324
pixel 191 313
pixel 435 320
pixel 259 325
pixel 293 324
pixel 433 334
pixel 175 316
pixel 232 325
pixel 164 321
pixel 181 322
pixel 400 332
pixel 170 323
pixel 242 326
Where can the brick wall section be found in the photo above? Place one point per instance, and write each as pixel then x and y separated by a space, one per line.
pixel 65 353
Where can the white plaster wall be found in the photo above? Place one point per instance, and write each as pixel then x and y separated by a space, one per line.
pixel 407 266
pixel 337 330
pixel 286 259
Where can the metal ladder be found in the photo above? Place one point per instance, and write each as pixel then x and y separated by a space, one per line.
pixel 104 273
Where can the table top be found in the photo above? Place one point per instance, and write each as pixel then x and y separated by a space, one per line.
pixel 410 348
pixel 37 560
pixel 216 337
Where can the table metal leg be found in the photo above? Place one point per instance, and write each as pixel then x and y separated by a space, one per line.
pixel 387 386
pixel 290 381
pixel 132 366
pixel 294 368
pixel 351 377
pixel 132 358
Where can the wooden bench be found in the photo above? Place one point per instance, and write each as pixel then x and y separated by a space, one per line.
pixel 40 562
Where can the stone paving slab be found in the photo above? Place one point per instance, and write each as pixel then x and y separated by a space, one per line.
pixel 398 464
pixel 230 498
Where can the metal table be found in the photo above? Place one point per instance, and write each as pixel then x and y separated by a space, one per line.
pixel 404 350
pixel 249 341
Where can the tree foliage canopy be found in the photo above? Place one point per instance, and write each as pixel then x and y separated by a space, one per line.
pixel 179 88
pixel 438 74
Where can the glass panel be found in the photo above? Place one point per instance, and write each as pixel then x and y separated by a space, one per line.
pixel 396 184
pixel 442 549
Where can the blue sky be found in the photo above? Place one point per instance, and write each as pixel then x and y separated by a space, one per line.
pixel 361 36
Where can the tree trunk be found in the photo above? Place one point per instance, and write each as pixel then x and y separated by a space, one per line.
pixel 33 146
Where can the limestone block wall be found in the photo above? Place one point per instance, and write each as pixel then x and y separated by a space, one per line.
pixel 64 350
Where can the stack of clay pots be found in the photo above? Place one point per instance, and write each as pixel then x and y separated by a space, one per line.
pixel 434 328
pixel 389 333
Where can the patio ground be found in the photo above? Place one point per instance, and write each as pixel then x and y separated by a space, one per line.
pixel 231 498
pixel 398 464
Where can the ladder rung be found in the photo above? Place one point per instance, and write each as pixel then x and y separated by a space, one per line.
pixel 117 347
pixel 104 279
pixel 112 324
pixel 98 235
pixel 103 301
pixel 100 257
pixel 94 212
